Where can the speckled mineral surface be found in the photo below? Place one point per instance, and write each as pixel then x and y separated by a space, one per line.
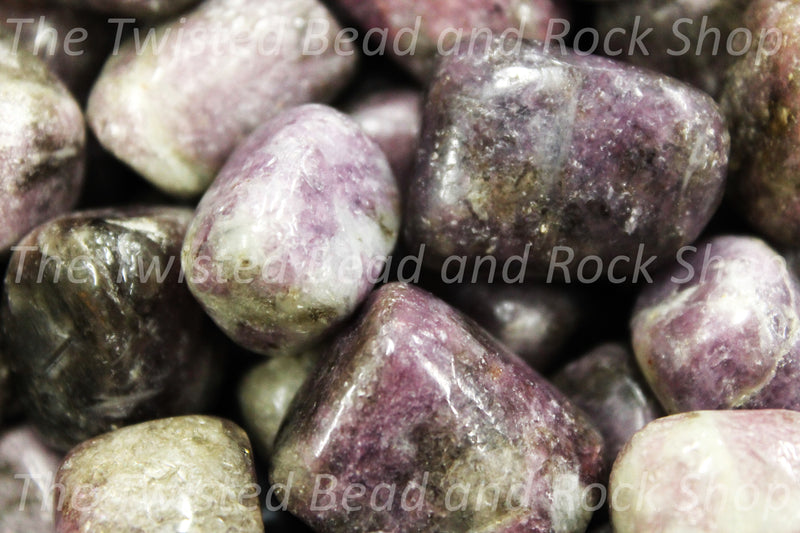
pixel 41 144
pixel 525 150
pixel 98 328
pixel 420 421
pixel 192 473
pixel 293 233
pixel 721 329
pixel 176 112
pixel 708 472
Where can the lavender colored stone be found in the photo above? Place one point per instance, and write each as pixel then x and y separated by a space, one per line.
pixel 42 148
pixel 710 471
pixel 293 233
pixel 682 28
pixel 176 115
pixel 417 31
pixel 606 384
pixel 534 321
pixel 191 473
pixel 266 392
pixel 761 100
pixel 392 119
pixel 418 397
pixel 721 329
pixel 135 8
pixel 100 331
pixel 526 150
pixel 27 472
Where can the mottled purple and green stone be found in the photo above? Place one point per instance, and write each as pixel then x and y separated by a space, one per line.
pixel 417 397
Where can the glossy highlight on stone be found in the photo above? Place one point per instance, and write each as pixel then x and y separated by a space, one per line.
pixel 527 149
pixel 42 140
pixel 708 472
pixel 294 232
pixel 721 329
pixel 192 473
pixel 98 328
pixel 136 8
pixel 418 397
pixel 221 71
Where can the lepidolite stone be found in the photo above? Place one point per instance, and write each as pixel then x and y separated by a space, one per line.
pixel 527 149
pixel 135 8
pixel 710 471
pixel 420 399
pixel 721 329
pixel 192 473
pixel 176 113
pixel 293 233
pixel 100 331
pixel 415 32
pixel 606 384
pixel 41 144
pixel 534 321
pixel 688 40
pixel 761 100
pixel 27 474
pixel 393 119
pixel 266 392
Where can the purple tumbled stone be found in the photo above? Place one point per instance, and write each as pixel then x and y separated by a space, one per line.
pixel 293 233
pixel 721 329
pixel 177 113
pixel 42 140
pixel 606 384
pixel 524 150
pixel 419 398
pixel 136 8
pixel 415 32
pixel 761 101
pixel 710 472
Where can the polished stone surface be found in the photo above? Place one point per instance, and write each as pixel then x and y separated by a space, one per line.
pixel 147 9
pixel 418 397
pixel 293 234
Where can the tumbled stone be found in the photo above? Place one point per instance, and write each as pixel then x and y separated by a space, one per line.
pixel 708 472
pixel 176 114
pixel 99 329
pixel 525 150
pixel 192 473
pixel 136 8
pixel 293 233
pixel 688 40
pixel 761 101
pixel 721 329
pixel 266 392
pixel 27 472
pixel 534 321
pixel 415 32
pixel 606 384
pixel 41 152
pixel 418 399
pixel 392 119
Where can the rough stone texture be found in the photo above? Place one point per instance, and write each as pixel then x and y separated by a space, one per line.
pixel 27 471
pixel 761 101
pixel 266 392
pixel 393 119
pixel 710 471
pixel 192 473
pixel 95 338
pixel 41 144
pixel 293 233
pixel 176 115
pixel 725 334
pixel 705 70
pixel 436 20
pixel 51 39
pixel 420 397
pixel 606 384
pixel 548 149
pixel 534 321
pixel 135 8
